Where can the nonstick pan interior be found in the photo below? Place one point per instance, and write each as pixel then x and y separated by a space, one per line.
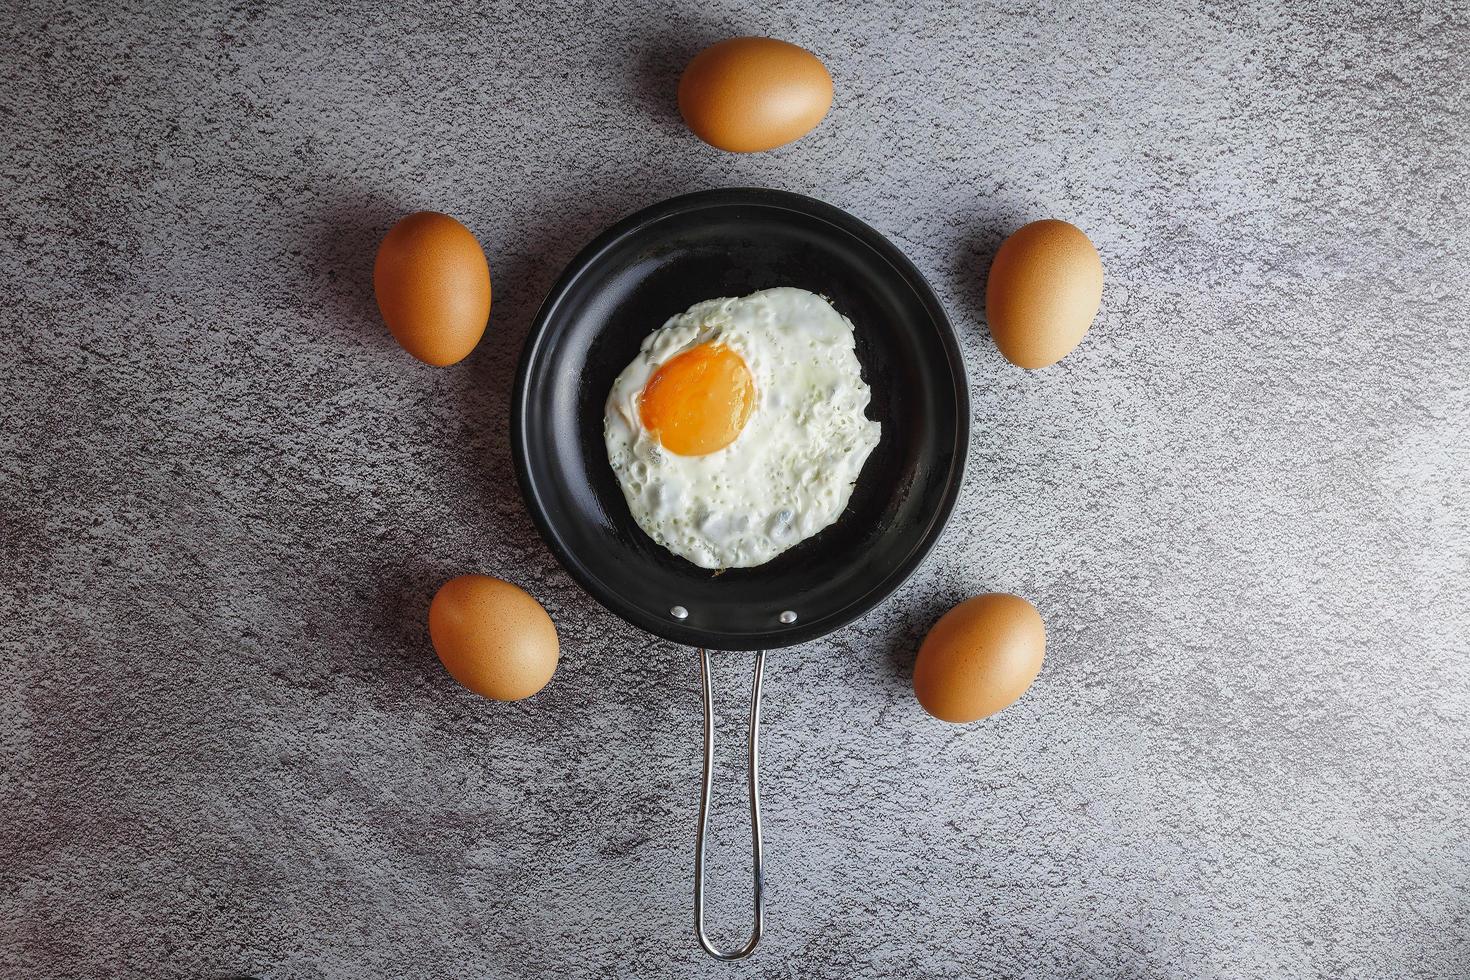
pixel 657 264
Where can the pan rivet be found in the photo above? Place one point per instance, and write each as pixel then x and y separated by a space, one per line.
pixel 788 617
pixel 679 612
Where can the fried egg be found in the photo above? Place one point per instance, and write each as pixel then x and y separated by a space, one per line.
pixel 740 428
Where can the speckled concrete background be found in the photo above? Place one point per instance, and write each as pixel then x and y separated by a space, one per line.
pixel 1242 505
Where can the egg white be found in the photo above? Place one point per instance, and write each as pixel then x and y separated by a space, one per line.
pixel 790 472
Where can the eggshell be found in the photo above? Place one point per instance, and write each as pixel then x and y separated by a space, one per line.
pixel 754 93
pixel 980 657
pixel 493 637
pixel 433 287
pixel 1044 290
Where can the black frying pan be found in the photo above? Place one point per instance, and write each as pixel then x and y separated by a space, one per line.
pixel 625 284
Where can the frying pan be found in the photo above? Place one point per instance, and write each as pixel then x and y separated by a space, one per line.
pixel 628 282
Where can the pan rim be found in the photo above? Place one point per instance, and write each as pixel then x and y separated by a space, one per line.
pixel 531 355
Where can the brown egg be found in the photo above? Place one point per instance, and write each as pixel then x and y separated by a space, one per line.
pixel 754 93
pixel 493 637
pixel 1045 287
pixel 982 655
pixel 433 286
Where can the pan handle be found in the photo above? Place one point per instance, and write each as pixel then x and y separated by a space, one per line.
pixel 755 810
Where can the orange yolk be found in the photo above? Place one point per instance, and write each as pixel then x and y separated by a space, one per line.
pixel 698 402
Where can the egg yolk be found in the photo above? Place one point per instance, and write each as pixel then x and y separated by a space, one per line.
pixel 698 402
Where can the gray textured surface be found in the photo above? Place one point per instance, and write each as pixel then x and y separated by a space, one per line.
pixel 1241 506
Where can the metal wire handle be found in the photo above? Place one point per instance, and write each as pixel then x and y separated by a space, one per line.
pixel 755 810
